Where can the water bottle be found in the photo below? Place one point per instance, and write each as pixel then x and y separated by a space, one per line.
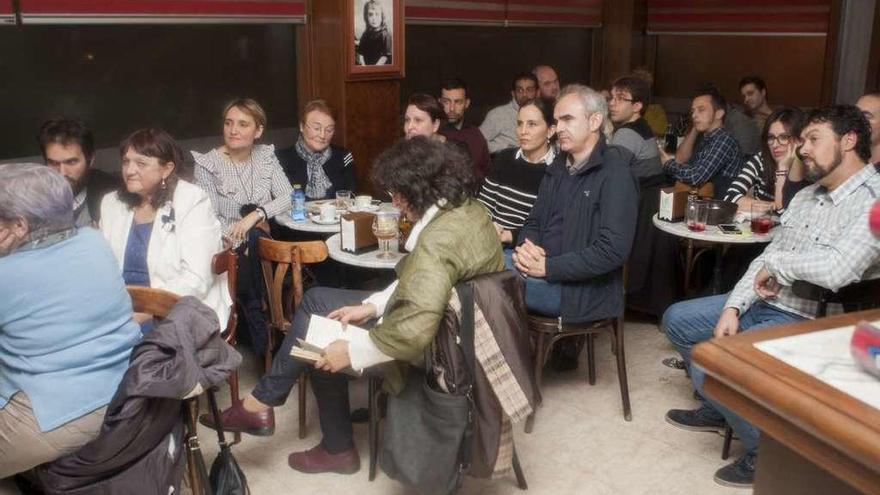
pixel 298 204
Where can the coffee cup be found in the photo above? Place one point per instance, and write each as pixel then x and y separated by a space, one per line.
pixel 328 212
pixel 363 201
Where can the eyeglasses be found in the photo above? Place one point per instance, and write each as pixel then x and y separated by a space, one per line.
pixel 619 99
pixel 317 129
pixel 782 139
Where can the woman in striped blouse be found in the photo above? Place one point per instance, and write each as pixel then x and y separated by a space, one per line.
pixel 510 189
pixel 763 176
pixel 244 180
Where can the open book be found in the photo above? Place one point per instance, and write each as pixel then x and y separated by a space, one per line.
pixel 322 332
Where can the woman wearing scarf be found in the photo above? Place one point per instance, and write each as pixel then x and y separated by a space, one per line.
pixel 323 168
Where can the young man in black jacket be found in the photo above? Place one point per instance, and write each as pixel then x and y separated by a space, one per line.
pixel 579 233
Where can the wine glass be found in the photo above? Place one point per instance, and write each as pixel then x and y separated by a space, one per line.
pixel 385 230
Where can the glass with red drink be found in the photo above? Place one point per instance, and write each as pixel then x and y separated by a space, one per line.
pixel 762 214
pixel 696 216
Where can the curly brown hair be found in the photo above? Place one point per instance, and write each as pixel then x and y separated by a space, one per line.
pixel 423 171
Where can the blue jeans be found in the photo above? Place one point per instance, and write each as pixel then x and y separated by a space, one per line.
pixel 541 296
pixel 688 323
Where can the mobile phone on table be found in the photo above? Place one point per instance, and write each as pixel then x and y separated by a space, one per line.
pixel 729 228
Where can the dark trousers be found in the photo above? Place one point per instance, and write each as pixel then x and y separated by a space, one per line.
pixel 330 389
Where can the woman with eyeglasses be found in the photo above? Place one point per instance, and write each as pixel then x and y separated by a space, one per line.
pixel 323 168
pixel 764 175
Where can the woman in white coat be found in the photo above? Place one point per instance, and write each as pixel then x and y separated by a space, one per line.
pixel 162 229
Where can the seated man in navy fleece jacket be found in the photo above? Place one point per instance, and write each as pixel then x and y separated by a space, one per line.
pixel 580 231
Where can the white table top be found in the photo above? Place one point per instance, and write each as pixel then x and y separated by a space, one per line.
pixel 712 233
pixel 365 260
pixel 826 356
pixel 308 225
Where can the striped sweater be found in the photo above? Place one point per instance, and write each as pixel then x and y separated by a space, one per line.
pixel 751 177
pixel 511 188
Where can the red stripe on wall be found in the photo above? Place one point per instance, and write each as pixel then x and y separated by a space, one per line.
pixel 6 7
pixel 710 4
pixel 442 13
pixel 739 16
pixel 281 8
pixel 556 18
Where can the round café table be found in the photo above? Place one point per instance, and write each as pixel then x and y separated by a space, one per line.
pixel 364 260
pixel 713 236
pixel 307 225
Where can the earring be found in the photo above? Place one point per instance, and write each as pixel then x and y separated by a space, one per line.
pixel 163 183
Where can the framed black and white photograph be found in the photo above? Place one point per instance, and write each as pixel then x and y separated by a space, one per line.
pixel 376 34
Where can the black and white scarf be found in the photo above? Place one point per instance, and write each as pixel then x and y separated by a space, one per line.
pixel 318 180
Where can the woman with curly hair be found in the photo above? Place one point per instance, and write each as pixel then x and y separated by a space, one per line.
pixel 452 240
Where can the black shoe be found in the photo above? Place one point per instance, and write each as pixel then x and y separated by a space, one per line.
pixel 702 419
pixel 674 363
pixel 740 474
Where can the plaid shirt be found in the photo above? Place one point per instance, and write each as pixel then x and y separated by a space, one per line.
pixel 824 239
pixel 717 152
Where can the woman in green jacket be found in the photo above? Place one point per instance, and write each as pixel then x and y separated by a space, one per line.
pixel 452 240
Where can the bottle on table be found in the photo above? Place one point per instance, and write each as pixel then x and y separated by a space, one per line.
pixel 298 204
pixel 671 139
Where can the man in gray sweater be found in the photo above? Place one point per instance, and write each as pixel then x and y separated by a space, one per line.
pixel 629 99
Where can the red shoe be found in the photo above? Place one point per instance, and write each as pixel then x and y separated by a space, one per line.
pixel 318 460
pixel 237 420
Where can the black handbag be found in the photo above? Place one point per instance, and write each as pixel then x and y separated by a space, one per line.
pixel 429 433
pixel 226 476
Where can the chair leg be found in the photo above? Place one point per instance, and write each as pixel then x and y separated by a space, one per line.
pixel 728 436
pixel 591 358
pixel 517 471
pixel 374 393
pixel 621 369
pixel 302 384
pixel 540 351
pixel 233 395
pixel 191 408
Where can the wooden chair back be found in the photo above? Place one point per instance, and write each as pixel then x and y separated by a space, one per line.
pixel 226 261
pixel 707 190
pixel 156 302
pixel 854 297
pixel 277 258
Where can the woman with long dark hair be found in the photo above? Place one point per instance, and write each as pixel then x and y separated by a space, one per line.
pixel 763 176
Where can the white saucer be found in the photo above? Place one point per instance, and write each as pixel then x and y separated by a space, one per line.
pixel 317 219
pixel 366 208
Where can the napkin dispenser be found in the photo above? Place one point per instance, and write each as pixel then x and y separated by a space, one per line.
pixel 356 232
pixel 672 204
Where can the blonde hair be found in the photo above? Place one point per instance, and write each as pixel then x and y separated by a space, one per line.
pixel 250 107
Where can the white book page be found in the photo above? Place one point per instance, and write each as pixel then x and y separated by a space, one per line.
pixel 323 331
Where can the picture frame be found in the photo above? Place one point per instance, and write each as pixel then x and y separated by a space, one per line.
pixel 374 34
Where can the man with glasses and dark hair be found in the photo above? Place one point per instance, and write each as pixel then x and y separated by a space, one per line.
pixel 717 157
pixel 499 126
pixel 68 146
pixel 455 101
pixel 630 97
pixel 825 240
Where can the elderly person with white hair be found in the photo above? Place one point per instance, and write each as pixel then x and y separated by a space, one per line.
pixel 66 328
pixel 580 231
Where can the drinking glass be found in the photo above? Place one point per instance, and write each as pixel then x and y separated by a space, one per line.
pixel 344 199
pixel 697 214
pixel 761 218
pixel 385 230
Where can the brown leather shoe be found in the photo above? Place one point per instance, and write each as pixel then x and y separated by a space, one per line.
pixel 318 460
pixel 237 420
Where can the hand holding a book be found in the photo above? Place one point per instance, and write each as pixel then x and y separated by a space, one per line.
pixel 354 314
pixel 335 357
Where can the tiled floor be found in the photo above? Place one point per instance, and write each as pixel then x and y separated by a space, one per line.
pixel 580 445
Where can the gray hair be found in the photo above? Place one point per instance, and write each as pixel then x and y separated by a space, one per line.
pixel 37 194
pixel 593 103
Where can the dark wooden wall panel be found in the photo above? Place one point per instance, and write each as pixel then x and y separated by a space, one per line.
pixel 792 66
pixel 372 123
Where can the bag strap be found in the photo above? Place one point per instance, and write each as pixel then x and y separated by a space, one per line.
pixel 466 335
pixel 218 422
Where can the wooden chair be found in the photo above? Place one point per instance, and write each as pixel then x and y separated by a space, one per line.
pixel 854 297
pixel 158 303
pixel 277 258
pixel 548 331
pixel 227 262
